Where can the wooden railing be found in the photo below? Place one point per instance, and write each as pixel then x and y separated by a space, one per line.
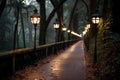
pixel 14 60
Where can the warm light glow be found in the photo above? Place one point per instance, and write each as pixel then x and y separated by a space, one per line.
pixel 35 19
pixel 27 2
pixel 95 20
pixel 88 26
pixel 84 32
pixel 68 31
pixel 76 34
pixel 80 35
pixel 56 25
pixel 86 29
pixel 64 29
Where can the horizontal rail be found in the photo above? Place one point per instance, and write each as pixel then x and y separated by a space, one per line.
pixel 24 50
pixel 11 61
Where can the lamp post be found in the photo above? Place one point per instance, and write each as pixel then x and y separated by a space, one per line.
pixel 95 21
pixel 56 26
pixel 35 19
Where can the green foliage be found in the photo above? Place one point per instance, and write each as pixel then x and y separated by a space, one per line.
pixel 108 55
pixel 108 52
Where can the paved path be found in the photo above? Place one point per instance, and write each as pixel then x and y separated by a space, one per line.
pixel 69 65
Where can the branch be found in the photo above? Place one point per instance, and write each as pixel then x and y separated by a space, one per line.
pixel 72 12
pixel 88 11
pixel 53 12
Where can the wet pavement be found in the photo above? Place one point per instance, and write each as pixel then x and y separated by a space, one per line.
pixel 67 65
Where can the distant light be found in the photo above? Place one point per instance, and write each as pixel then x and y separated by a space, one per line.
pixel 84 32
pixel 27 2
pixel 88 25
pixel 35 18
pixel 68 31
pixel 75 34
pixel 64 29
pixel 56 25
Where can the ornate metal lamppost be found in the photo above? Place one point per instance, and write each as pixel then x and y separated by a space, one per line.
pixel 35 19
pixel 95 21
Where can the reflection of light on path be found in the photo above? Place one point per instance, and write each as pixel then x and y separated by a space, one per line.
pixel 36 79
pixel 82 47
pixel 57 63
pixel 56 68
pixel 72 48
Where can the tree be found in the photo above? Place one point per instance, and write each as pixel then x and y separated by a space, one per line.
pixel 45 22
pixel 60 18
pixel 71 16
pixel 16 28
pixel 43 27
pixel 2 6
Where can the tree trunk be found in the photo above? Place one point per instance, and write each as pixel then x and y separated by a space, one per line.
pixel 71 16
pixel 23 30
pixel 16 29
pixel 44 23
pixel 2 6
pixel 58 7
pixel 60 18
pixel 43 28
pixel 53 12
